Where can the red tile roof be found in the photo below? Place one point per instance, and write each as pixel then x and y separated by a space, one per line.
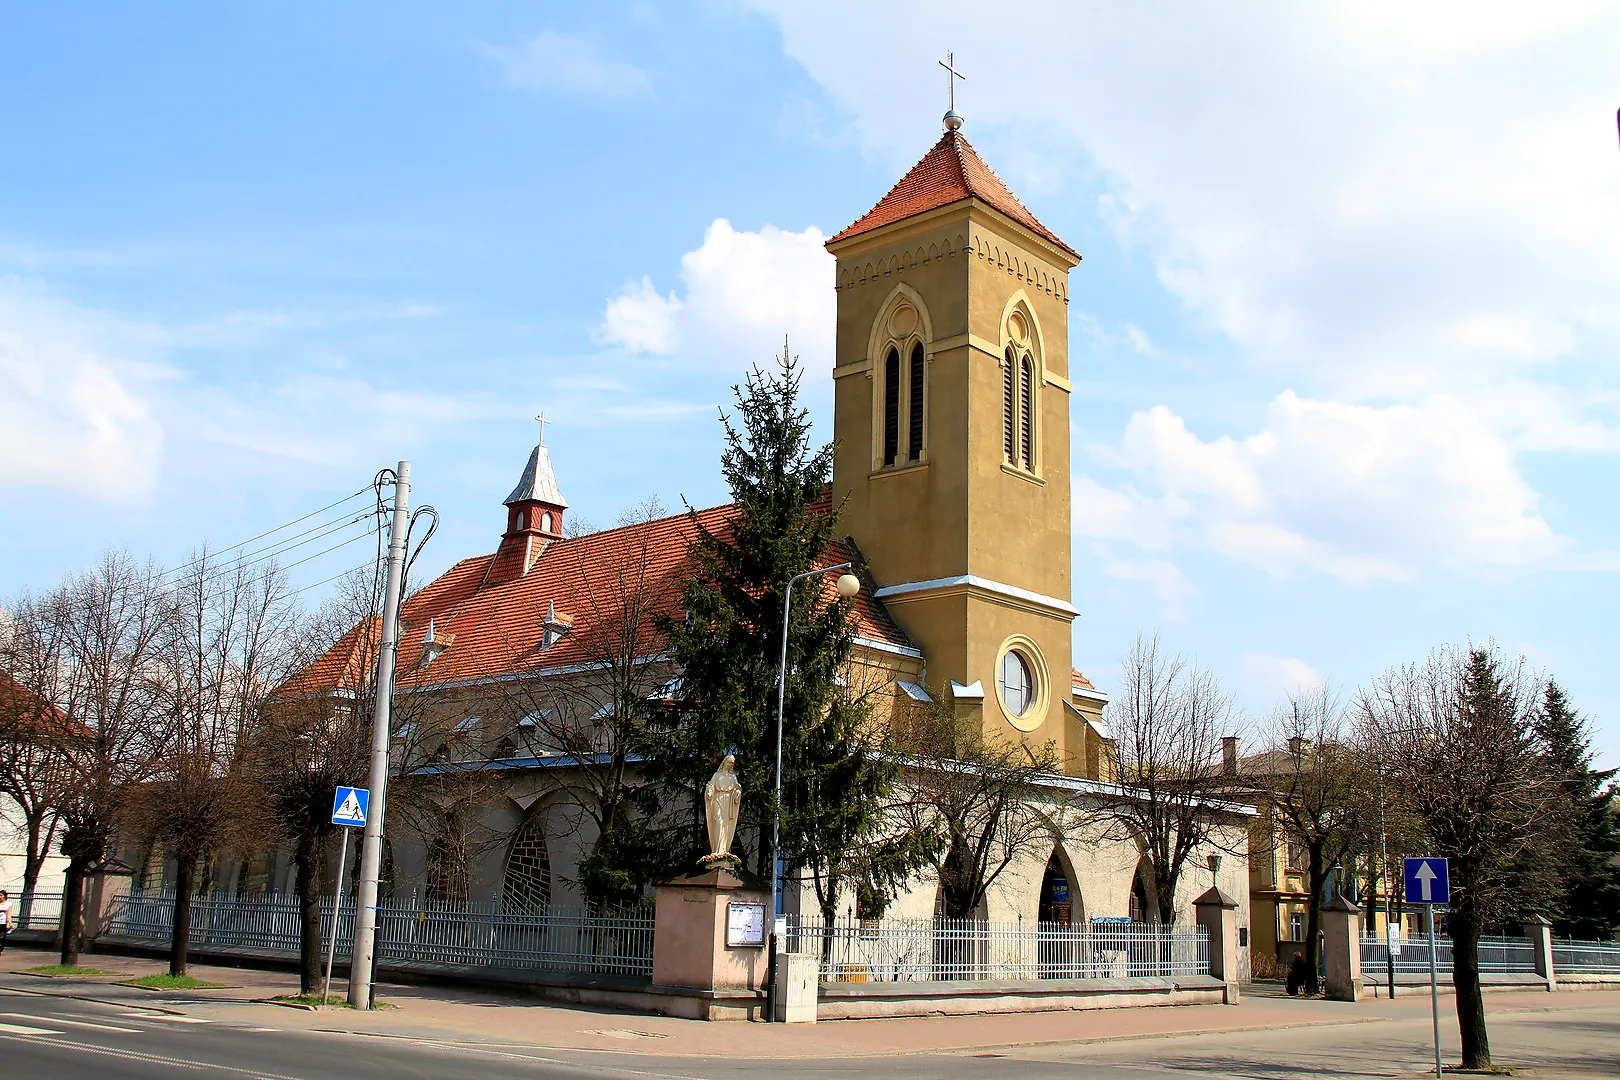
pixel 1081 681
pixel 950 172
pixel 498 628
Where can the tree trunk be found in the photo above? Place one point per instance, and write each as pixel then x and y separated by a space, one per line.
pixel 1316 877
pixel 72 913
pixel 306 883
pixel 1476 1044
pixel 179 939
pixel 33 863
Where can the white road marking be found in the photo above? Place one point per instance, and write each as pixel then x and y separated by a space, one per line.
pixel 132 1055
pixel 177 1019
pixel 24 1029
pixel 74 1023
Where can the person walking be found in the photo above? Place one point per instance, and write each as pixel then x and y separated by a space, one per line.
pixel 1298 975
pixel 8 917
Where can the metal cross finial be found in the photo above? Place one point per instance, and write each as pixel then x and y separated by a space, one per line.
pixel 543 423
pixel 949 64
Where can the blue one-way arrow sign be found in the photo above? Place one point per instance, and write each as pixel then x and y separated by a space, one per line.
pixel 1428 881
pixel 349 806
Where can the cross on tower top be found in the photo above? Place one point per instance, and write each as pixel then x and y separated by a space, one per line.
pixel 949 64
pixel 543 423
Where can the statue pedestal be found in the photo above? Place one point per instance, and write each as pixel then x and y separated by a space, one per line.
pixel 703 941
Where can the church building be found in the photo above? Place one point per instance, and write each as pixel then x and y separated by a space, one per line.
pixel 952 385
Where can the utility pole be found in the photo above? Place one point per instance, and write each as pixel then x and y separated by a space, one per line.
pixel 365 908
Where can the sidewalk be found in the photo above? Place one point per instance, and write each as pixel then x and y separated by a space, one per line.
pixel 490 1019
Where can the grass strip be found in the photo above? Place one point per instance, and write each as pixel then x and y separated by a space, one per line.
pixel 67 969
pixel 166 981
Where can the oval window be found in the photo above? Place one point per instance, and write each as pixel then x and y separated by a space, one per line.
pixel 1017 684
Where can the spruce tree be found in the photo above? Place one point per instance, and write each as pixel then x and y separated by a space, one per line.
pixel 1587 902
pixel 727 642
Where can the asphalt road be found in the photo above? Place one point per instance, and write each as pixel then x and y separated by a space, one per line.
pixel 46 1037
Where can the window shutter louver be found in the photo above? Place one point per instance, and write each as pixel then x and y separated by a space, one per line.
pixel 1026 426
pixel 891 406
pixel 1008 419
pixel 915 438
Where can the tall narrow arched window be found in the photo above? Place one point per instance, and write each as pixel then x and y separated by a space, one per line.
pixel 1026 421
pixel 891 406
pixel 1009 411
pixel 914 443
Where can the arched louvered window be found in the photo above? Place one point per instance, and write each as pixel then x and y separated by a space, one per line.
pixel 1026 420
pixel 915 435
pixel 1009 408
pixel 891 406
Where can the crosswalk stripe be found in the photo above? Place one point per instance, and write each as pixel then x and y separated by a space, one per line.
pixel 24 1029
pixel 74 1023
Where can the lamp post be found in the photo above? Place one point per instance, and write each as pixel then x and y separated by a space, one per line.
pixel 848 585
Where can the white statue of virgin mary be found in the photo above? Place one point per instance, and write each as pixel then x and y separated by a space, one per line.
pixel 722 802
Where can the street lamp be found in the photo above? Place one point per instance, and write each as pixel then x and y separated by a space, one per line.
pixel 848 585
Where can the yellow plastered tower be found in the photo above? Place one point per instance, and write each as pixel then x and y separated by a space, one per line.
pixel 952 419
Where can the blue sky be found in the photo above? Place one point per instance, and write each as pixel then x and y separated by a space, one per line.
pixel 1342 339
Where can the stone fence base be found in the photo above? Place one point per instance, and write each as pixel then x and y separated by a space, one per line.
pixel 869 1000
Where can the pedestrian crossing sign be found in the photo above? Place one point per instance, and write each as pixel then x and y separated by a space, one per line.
pixel 349 806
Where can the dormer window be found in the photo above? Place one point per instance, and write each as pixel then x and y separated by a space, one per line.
pixel 555 627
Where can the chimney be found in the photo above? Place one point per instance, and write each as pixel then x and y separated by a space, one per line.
pixel 1229 756
pixel 1296 745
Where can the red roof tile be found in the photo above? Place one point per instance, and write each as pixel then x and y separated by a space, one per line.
pixel 497 627
pixel 950 172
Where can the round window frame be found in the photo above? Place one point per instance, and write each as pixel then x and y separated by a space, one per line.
pixel 1035 712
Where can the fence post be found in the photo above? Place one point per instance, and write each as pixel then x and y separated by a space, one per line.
pixel 1341 949
pixel 1217 913
pixel 1539 931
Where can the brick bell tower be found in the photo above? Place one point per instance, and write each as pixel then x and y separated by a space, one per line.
pixel 534 516
pixel 951 411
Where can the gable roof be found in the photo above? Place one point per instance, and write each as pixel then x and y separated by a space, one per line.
pixel 950 172
pixel 493 630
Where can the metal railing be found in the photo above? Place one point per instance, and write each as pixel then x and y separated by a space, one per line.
pixel 1586 957
pixel 1496 955
pixel 918 950
pixel 480 936
pixel 44 912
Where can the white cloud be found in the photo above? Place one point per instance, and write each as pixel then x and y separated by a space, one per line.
pixel 73 413
pixel 742 291
pixel 1278 676
pixel 1353 491
pixel 550 61
pixel 1387 205
pixel 1170 586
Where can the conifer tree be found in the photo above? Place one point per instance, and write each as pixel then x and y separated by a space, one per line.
pixel 1587 901
pixel 727 644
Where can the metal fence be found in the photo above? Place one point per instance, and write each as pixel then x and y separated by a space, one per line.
pixel 917 950
pixel 1496 954
pixel 466 937
pixel 43 912
pixel 1586 957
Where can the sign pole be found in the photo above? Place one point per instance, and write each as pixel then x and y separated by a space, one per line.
pixel 1434 993
pixel 337 913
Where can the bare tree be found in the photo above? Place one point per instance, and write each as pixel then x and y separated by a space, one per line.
pixel 1459 732
pixel 976 804
pixel 597 719
pixel 227 645
pixel 311 739
pixel 34 730
pixel 1312 778
pixel 1173 796
pixel 115 615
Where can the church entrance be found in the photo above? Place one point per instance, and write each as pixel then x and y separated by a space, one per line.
pixel 1057 905
pixel 1060 907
